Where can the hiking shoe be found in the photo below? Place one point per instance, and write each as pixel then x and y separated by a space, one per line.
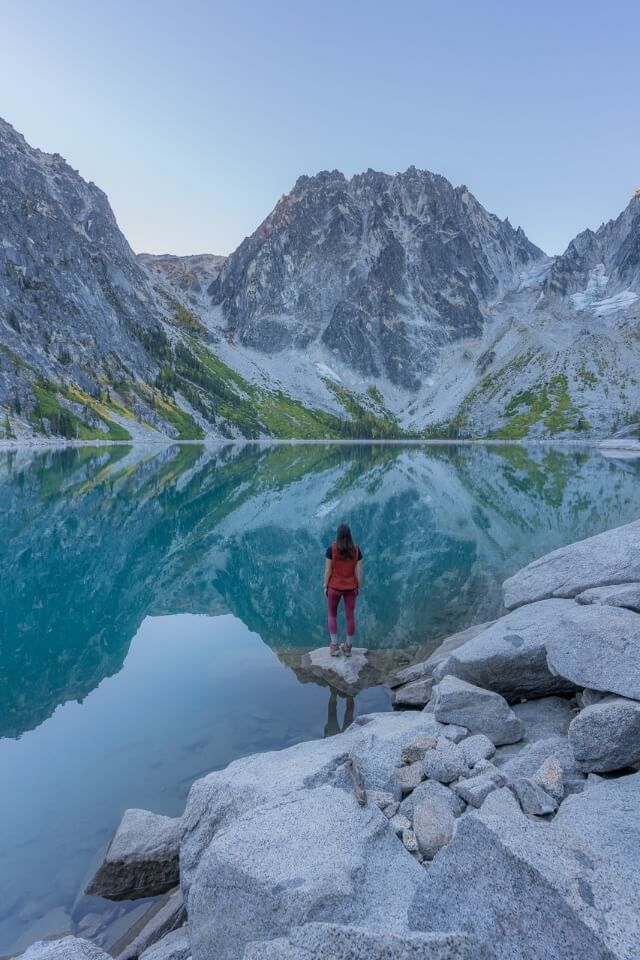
pixel 346 649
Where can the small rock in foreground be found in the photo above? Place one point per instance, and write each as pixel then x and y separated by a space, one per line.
pixel 433 825
pixel 417 748
pixel 478 747
pixel 430 789
pixel 410 841
pixel 475 790
pixel 141 860
pixel 454 731
pixel 408 777
pixel 445 762
pixel 399 823
pixel 550 777
pixel 533 799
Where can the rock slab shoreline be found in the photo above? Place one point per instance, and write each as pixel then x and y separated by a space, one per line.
pixel 501 821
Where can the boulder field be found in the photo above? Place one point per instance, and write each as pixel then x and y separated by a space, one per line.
pixel 501 821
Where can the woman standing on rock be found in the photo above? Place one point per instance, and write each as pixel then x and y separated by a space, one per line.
pixel 342 578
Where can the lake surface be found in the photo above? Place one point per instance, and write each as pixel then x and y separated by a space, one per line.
pixel 156 603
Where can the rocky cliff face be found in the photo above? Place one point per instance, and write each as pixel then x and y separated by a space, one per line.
pixel 378 270
pixel 96 343
pixel 600 272
pixel 559 354
pixel 73 293
pixel 190 277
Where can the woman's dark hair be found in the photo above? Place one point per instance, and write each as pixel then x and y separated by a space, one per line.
pixel 344 542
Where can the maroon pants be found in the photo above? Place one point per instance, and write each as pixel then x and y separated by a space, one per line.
pixel 333 599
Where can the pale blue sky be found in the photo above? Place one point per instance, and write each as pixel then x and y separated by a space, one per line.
pixel 196 116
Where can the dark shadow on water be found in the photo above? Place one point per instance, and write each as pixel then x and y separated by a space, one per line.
pixel 333 725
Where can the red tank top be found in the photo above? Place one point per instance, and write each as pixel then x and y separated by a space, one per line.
pixel 343 569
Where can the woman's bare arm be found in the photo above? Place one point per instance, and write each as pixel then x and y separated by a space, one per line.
pixel 359 573
pixel 327 573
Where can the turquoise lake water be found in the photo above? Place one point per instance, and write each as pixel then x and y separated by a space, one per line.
pixel 156 603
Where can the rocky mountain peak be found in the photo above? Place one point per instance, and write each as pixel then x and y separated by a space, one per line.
pixel 399 282
pixel 601 264
pixel 376 271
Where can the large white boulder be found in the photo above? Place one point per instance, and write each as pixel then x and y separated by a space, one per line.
pixel 552 646
pixel 424 668
pixel 479 710
pixel 217 801
pixel 510 656
pixel 316 855
pixel 598 648
pixel 606 735
pixel 564 890
pixel 610 557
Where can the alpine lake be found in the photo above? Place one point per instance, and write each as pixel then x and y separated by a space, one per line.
pixel 156 603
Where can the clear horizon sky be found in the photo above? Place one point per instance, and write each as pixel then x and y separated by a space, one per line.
pixel 195 117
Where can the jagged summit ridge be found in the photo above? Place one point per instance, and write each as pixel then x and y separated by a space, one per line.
pixel 380 270
pixel 364 306
pixel 601 264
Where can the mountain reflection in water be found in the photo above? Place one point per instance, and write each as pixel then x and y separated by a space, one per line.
pixel 97 539
pixel 157 603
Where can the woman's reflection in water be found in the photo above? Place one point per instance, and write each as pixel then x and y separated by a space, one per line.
pixel 333 726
